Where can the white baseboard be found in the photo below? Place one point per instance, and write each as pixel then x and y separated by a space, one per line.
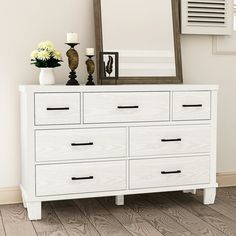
pixel 10 195
pixel 13 195
pixel 226 179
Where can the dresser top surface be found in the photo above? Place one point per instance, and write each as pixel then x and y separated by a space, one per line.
pixel 117 88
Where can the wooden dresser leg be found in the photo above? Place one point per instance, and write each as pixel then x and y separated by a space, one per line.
pixel 120 200
pixel 34 210
pixel 193 191
pixel 209 196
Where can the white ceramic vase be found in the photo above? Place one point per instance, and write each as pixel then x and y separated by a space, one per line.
pixel 46 76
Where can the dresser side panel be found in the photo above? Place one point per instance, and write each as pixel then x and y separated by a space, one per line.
pixel 27 144
pixel 214 105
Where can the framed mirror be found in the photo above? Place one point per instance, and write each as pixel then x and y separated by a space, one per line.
pixel 146 36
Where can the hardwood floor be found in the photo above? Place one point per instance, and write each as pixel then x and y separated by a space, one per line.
pixel 169 214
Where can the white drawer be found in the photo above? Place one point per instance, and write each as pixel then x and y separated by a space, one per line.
pixel 126 107
pixel 192 105
pixel 57 108
pixel 154 173
pixel 80 178
pixel 58 145
pixel 169 140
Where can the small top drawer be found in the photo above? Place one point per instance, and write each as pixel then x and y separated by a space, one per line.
pixel 192 105
pixel 126 107
pixel 57 108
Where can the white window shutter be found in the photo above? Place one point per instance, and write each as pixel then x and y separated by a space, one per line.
pixel 212 17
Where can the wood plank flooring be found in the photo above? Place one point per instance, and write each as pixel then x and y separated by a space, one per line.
pixel 169 214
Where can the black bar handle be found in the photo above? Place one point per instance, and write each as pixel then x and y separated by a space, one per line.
pixel 57 108
pixel 172 140
pixel 82 178
pixel 170 172
pixel 193 105
pixel 82 144
pixel 127 107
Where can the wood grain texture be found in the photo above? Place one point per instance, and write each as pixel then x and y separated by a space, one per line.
pixel 202 98
pixel 131 220
pixel 2 230
pixel 70 101
pixel 147 173
pixel 16 221
pixel 105 176
pixel 148 140
pixel 217 220
pixel 168 214
pixel 50 224
pixel 185 218
pixel 221 205
pixel 104 221
pixel 228 195
pixel 74 220
pixel 142 80
pixel 103 107
pixel 53 233
pixel 55 145
pixel 158 219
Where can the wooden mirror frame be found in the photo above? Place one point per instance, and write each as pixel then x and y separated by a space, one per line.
pixel 178 79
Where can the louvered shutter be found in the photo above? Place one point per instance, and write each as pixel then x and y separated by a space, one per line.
pixel 212 17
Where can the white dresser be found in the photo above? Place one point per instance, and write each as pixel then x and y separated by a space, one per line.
pixel 80 142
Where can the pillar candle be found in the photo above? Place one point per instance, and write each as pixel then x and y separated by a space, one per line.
pixel 72 38
pixel 90 51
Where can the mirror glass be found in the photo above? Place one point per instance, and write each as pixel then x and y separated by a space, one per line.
pixel 141 31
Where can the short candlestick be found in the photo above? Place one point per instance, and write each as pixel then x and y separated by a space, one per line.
pixel 90 68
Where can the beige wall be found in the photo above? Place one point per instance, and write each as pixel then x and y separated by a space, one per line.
pixel 201 66
pixel 24 23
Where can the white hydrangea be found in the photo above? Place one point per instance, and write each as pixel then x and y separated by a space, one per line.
pixel 46 55
pixel 43 55
pixel 34 54
pixel 57 55
pixel 47 45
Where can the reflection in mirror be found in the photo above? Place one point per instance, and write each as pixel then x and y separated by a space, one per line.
pixel 142 35
pixel 145 33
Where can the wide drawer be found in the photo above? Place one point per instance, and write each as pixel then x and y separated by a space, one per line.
pixel 126 107
pixel 169 140
pixel 72 144
pixel 192 105
pixel 80 178
pixel 154 173
pixel 57 108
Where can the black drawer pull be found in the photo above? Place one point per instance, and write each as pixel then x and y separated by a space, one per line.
pixel 82 144
pixel 128 107
pixel 171 140
pixel 58 108
pixel 193 105
pixel 170 172
pixel 82 178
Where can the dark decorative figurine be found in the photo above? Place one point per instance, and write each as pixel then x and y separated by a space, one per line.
pixel 73 61
pixel 109 66
pixel 90 68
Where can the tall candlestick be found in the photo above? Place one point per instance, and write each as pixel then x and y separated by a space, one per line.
pixel 72 38
pixel 90 52
pixel 73 61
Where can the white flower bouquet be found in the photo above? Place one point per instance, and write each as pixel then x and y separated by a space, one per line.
pixel 46 56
